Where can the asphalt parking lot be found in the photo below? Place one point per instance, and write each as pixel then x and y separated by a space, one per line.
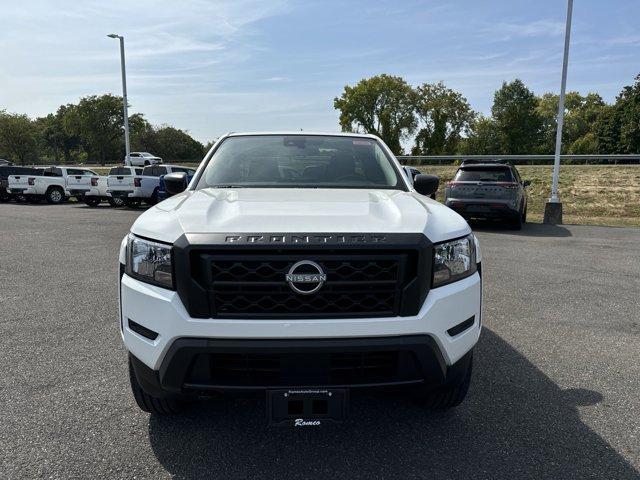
pixel 554 392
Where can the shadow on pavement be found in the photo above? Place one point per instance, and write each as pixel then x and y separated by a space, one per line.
pixel 528 229
pixel 516 423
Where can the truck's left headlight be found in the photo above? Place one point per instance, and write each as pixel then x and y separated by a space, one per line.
pixel 149 262
pixel 454 260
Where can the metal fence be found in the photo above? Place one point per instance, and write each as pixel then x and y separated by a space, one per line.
pixel 626 159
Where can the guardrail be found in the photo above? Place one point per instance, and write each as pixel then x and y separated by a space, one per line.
pixel 599 159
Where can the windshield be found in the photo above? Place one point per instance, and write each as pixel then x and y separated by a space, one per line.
pixel 484 174
pixel 300 161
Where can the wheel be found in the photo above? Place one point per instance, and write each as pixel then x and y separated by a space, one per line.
pixel 116 202
pixel 4 197
pixel 132 203
pixel 92 201
pixel 54 195
pixel 449 395
pixel 148 403
pixel 516 223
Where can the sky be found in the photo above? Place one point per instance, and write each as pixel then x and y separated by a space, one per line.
pixel 210 67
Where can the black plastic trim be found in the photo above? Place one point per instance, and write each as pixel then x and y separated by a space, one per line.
pixel 142 331
pixel 191 285
pixel 180 355
pixel 462 326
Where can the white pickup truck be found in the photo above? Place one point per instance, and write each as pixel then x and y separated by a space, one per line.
pixel 302 266
pixel 54 184
pixel 93 189
pixel 143 187
pixel 120 183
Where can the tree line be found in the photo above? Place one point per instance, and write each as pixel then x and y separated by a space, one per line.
pixel 90 131
pixel 436 120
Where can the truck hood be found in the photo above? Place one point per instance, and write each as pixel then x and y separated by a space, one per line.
pixel 299 210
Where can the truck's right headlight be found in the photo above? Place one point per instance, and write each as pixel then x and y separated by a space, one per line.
pixel 454 260
pixel 149 262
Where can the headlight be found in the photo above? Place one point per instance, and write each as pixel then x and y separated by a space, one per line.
pixel 454 260
pixel 149 262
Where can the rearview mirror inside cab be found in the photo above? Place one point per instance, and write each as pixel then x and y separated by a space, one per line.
pixel 426 184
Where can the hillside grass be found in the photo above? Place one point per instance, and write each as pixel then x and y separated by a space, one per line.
pixel 590 194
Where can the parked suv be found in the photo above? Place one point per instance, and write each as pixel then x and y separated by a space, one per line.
pixel 488 190
pixel 303 266
pixel 141 159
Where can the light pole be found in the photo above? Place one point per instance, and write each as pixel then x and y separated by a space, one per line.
pixel 553 208
pixel 124 98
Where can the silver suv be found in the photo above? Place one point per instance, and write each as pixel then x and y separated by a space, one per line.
pixel 488 190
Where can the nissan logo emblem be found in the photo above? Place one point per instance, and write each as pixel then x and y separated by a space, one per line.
pixel 306 273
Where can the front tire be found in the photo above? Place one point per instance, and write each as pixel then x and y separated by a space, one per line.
pixel 452 394
pixel 149 403
pixel 54 195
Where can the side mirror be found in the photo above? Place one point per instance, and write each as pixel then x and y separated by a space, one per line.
pixel 526 183
pixel 426 184
pixel 175 182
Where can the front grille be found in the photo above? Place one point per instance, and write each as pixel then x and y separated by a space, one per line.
pixel 291 369
pixel 254 284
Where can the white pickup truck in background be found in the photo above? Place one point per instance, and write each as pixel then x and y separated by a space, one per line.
pixel 121 182
pixel 143 187
pixel 54 184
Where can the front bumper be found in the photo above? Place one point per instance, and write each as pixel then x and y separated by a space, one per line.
pixel 161 311
pixel 202 366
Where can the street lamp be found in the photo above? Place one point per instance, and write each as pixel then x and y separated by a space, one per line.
pixel 124 97
pixel 553 208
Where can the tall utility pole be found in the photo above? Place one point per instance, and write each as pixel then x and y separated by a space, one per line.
pixel 124 98
pixel 553 208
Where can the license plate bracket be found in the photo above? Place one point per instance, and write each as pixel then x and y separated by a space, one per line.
pixel 307 407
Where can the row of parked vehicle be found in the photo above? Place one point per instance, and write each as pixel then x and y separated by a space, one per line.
pixel 124 185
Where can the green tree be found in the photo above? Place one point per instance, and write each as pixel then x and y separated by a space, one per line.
pixel 143 135
pixel 607 130
pixel 97 122
pixel 18 138
pixel 514 111
pixel 177 144
pixel 444 115
pixel 627 108
pixel 581 113
pixel 484 138
pixel 55 141
pixel 165 141
pixel 382 105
